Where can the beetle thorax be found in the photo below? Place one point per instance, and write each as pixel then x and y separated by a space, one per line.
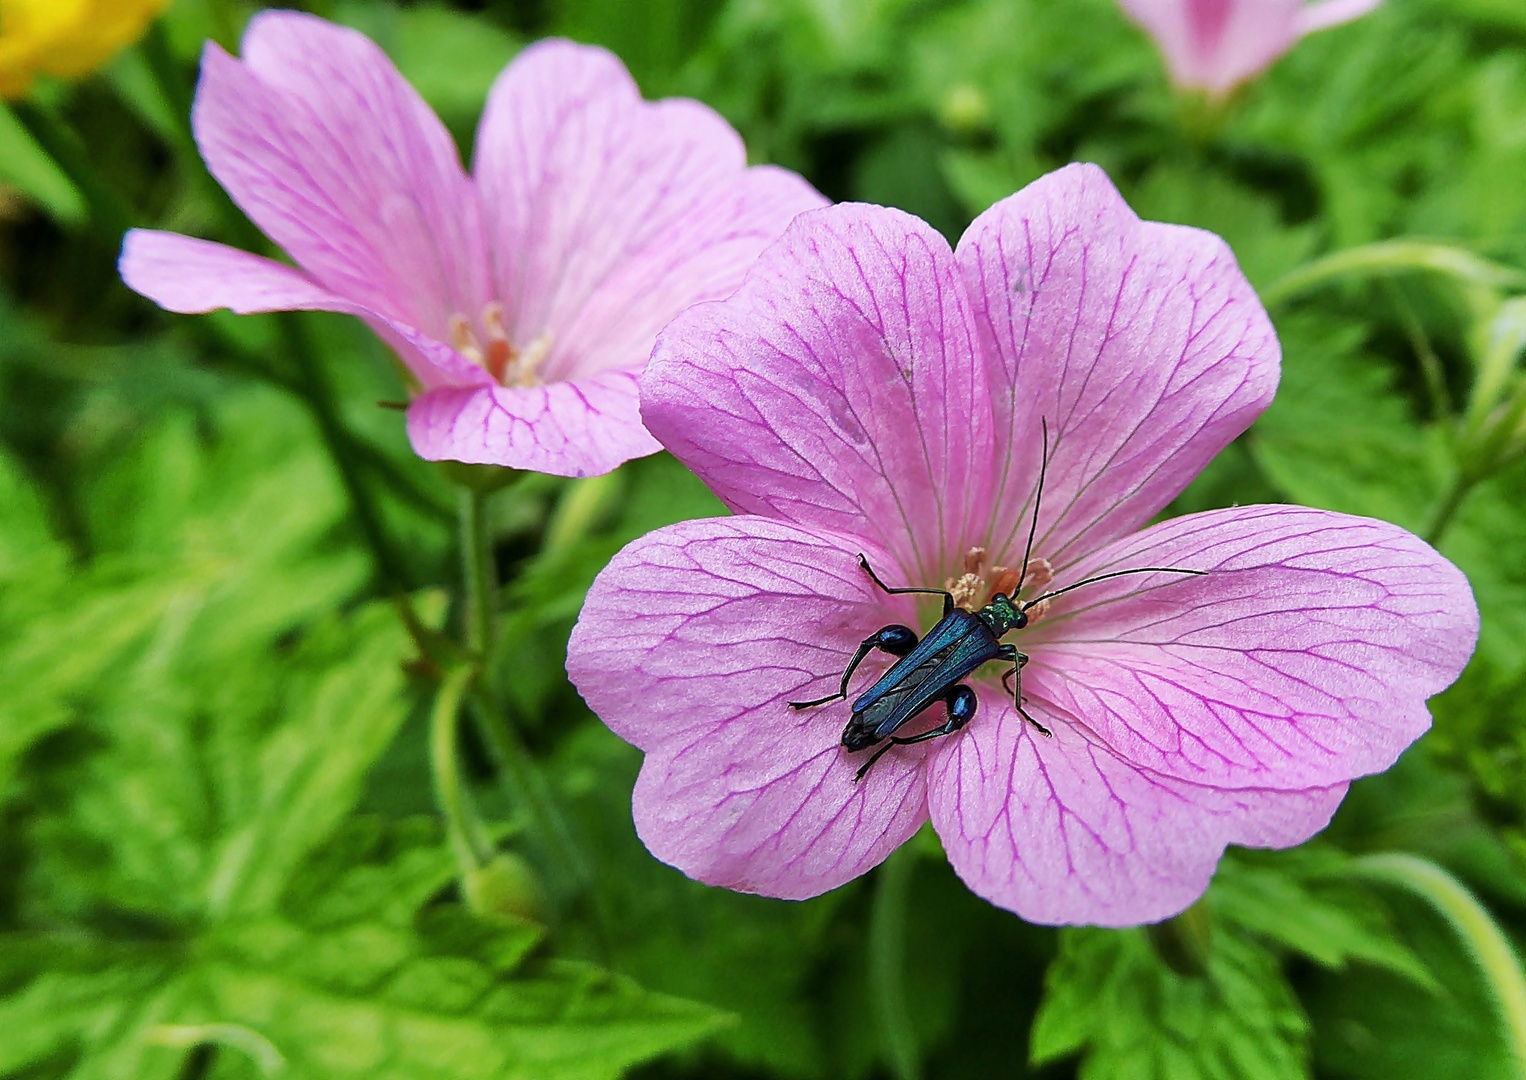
pixel 1001 615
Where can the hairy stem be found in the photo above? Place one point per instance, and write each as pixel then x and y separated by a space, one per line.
pixel 562 857
pixel 1484 940
pixel 478 574
pixel 468 839
pixel 887 962
pixel 567 869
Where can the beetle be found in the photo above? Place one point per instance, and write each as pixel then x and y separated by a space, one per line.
pixel 929 671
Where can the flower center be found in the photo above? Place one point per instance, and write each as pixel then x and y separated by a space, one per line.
pixel 501 360
pixel 973 589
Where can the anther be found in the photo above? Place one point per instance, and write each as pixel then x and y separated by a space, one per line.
pixel 530 360
pixel 969 591
pixel 463 340
pixel 1039 574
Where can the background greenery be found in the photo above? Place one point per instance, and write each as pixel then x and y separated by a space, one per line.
pixel 219 855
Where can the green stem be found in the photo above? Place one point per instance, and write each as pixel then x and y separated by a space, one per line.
pixel 313 386
pixel 1394 256
pixel 562 855
pixel 567 870
pixel 1484 940
pixel 1430 364
pixel 468 838
pixel 1447 509
pixel 479 575
pixel 887 962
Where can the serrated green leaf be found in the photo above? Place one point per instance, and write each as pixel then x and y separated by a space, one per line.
pixel 1109 996
pixel 1328 925
pixel 345 702
pixel 748 954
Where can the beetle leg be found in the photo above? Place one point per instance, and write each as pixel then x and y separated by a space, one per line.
pixel 961 701
pixel 948 597
pixel 1016 672
pixel 894 639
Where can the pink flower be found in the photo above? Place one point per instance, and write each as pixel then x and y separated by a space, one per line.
pixel 524 299
pixel 869 390
pixel 1215 45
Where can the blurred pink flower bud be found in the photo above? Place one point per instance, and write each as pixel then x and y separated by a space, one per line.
pixel 1215 45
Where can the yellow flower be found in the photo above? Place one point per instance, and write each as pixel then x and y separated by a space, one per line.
pixel 65 37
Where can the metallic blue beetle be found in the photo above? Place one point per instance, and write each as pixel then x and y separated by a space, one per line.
pixel 930 671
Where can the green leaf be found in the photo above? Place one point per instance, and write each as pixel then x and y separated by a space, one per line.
pixel 1250 222
pixel 1374 1025
pixel 1109 997
pixel 1338 435
pixel 747 954
pixel 369 1000
pixel 1290 900
pixel 27 167
pixel 437 994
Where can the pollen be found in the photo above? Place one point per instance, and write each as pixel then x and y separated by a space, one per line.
pixel 969 591
pixel 1040 574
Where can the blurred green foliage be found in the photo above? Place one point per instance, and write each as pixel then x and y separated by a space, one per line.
pixel 218 850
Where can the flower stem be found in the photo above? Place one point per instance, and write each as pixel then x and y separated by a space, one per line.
pixel 314 388
pixel 478 574
pixel 567 869
pixel 1484 940
pixel 1447 509
pixel 566 866
pixel 1394 256
pixel 887 962
pixel 468 839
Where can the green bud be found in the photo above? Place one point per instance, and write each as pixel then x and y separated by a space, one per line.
pixel 505 885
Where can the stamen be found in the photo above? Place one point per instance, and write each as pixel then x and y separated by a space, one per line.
pixel 500 354
pixel 969 591
pixel 974 559
pixel 463 340
pixel 530 360
pixel 1040 574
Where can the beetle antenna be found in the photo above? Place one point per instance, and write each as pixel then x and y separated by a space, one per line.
pixel 1115 573
pixel 1033 526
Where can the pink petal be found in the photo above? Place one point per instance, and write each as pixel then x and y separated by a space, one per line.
pixel 610 215
pixel 1215 44
pixel 189 276
pixel 1302 659
pixel 1328 13
pixel 1142 345
pixel 581 428
pixel 325 146
pixel 690 644
pixel 1064 831
pixel 840 388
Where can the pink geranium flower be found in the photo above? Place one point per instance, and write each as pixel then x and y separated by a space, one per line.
pixel 524 300
pixel 1215 45
pixel 869 390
